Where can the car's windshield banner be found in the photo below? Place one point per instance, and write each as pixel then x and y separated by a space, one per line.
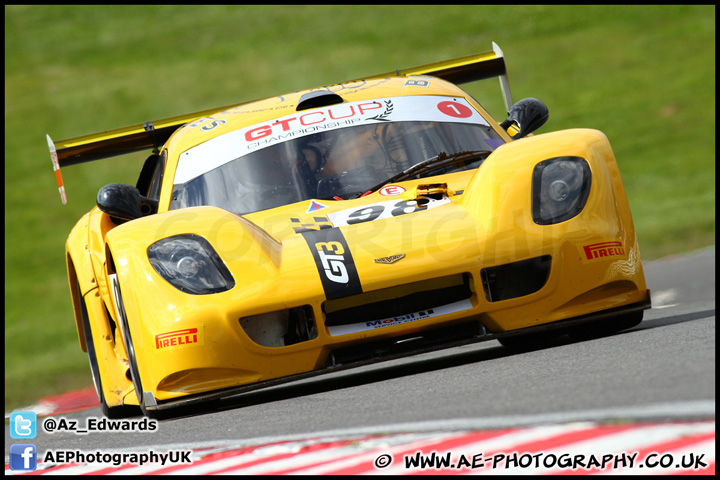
pixel 225 148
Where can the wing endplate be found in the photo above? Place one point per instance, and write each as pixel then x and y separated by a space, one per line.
pixel 56 168
pixel 119 141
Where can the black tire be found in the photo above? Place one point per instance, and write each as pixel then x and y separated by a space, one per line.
pixel 606 327
pixel 134 370
pixel 135 373
pixel 122 411
pixel 130 349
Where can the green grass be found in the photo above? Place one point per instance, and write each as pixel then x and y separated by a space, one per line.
pixel 645 75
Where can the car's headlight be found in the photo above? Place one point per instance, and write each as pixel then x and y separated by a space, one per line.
pixel 190 264
pixel 560 189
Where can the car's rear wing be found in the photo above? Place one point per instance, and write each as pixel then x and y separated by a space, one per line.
pixel 152 135
pixel 120 141
pixel 463 70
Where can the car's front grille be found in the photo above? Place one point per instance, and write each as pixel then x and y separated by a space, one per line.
pixel 397 301
pixel 424 341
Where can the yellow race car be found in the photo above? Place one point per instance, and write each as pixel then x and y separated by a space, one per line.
pixel 319 230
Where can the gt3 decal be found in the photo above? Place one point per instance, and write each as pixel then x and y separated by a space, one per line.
pixel 606 249
pixel 334 262
pixel 410 317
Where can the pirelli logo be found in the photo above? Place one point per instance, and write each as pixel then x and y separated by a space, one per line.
pixel 186 336
pixel 605 249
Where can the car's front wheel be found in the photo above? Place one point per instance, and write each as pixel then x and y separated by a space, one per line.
pixel 119 411
pixel 130 349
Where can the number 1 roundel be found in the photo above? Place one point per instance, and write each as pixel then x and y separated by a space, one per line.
pixel 454 109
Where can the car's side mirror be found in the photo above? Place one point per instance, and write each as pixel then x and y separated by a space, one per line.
pixel 527 115
pixel 124 202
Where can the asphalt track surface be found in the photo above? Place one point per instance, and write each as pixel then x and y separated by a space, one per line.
pixel 662 370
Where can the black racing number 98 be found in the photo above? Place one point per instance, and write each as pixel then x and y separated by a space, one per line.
pixel 373 212
pixel 367 214
pixel 405 207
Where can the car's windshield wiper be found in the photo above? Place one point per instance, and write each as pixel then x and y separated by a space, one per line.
pixel 440 160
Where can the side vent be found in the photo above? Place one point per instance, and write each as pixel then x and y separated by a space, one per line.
pixel 281 328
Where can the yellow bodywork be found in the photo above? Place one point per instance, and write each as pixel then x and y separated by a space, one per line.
pixel 193 344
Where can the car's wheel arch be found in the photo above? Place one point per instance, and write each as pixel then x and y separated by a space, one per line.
pixel 124 326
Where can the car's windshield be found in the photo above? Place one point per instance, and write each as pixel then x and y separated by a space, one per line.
pixel 275 164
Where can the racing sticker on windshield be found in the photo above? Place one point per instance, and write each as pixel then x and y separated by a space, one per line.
pixel 392 321
pixel 334 262
pixel 225 148
pixel 391 190
pixel 455 109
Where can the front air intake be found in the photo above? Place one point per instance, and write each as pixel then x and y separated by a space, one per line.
pixel 397 301
pixel 515 279
pixel 281 328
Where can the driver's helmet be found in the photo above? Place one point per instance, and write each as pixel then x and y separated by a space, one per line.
pixel 388 147
pixel 342 150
